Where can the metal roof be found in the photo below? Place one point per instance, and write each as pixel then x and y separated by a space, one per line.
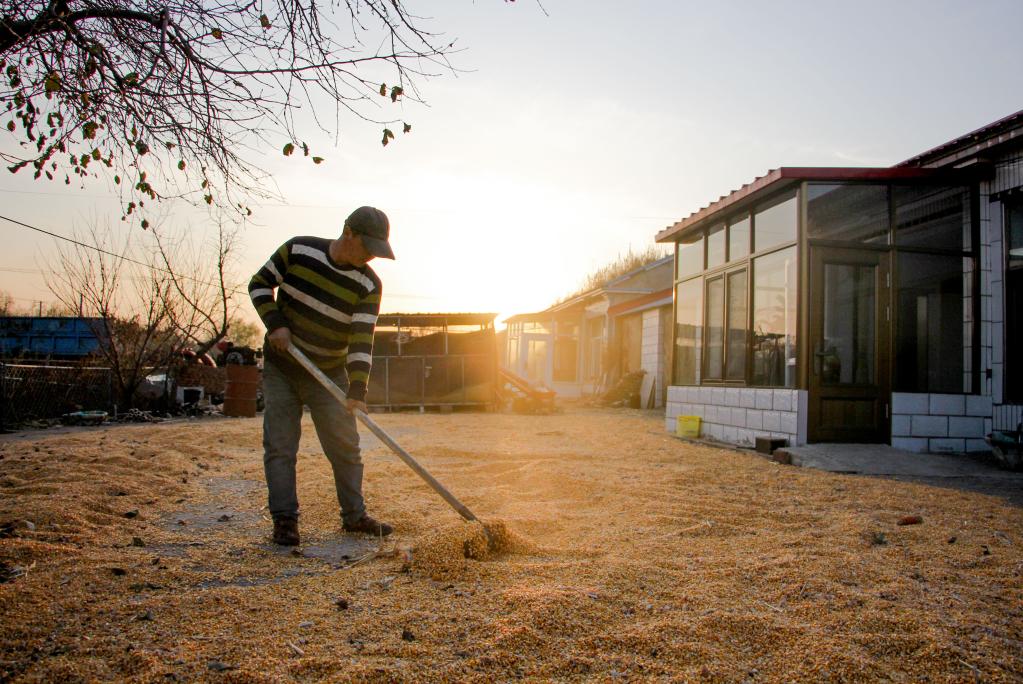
pixel 778 179
pixel 529 317
pixel 992 135
pixel 434 319
pixel 654 299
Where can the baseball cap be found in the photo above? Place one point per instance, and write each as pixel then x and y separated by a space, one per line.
pixel 372 226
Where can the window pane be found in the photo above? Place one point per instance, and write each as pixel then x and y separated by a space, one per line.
pixel 1013 383
pixel 716 246
pixel 566 351
pixel 774 319
pixel 536 360
pixel 856 213
pixel 775 225
pixel 689 255
pixel 932 217
pixel 715 327
pixel 738 239
pixel 850 325
pixel 736 326
pixel 513 353
pixel 934 324
pixel 688 331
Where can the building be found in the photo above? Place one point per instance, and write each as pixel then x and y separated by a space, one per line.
pixel 585 344
pixel 857 304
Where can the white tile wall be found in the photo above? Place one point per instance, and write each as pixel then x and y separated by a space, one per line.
pixel 914 444
pixel 651 356
pixel 947 446
pixel 940 423
pixel 740 415
pixel 929 426
pixel 909 403
pixel 901 425
pixel 978 405
pixel 972 427
pixel 947 404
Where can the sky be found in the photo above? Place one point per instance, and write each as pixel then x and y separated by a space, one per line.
pixel 576 130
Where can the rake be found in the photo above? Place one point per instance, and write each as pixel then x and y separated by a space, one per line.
pixel 405 456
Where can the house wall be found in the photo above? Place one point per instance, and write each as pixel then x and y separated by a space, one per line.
pixel 651 358
pixel 957 423
pixel 740 415
pixel 940 423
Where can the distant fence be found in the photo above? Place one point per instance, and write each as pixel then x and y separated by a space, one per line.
pixel 33 392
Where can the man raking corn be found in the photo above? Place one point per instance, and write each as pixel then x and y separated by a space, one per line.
pixel 327 303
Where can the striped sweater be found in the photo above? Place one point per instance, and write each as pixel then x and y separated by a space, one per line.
pixel 331 308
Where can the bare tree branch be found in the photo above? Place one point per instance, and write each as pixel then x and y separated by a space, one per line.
pixel 166 96
pixel 146 313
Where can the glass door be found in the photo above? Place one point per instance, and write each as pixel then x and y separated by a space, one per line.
pixel 850 360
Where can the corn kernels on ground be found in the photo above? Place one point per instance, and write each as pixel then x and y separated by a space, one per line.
pixel 616 553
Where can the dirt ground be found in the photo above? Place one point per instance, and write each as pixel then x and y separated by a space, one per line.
pixel 142 553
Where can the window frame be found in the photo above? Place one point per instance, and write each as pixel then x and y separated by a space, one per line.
pixel 723 271
pixel 1010 362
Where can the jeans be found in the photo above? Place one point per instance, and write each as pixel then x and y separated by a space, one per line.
pixel 285 391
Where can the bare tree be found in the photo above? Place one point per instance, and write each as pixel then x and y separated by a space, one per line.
pixel 198 297
pixel 6 304
pixel 132 338
pixel 144 312
pixel 171 95
pixel 244 333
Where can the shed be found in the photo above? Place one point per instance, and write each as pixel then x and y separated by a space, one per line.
pixel 434 359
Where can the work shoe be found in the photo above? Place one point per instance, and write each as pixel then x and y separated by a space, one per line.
pixel 286 532
pixel 368 525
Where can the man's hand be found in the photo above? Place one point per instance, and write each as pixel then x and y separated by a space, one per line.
pixel 354 405
pixel 280 339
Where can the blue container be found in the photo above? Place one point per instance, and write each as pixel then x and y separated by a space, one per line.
pixel 47 336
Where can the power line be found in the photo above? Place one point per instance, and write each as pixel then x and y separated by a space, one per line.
pixel 291 205
pixel 117 256
pixel 143 264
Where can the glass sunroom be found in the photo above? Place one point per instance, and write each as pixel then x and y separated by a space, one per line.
pixel 828 305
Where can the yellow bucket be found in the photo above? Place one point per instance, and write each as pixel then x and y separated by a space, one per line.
pixel 688 426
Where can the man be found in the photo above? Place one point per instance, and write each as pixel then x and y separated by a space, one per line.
pixel 327 303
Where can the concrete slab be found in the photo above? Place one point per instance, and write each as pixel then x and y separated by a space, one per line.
pixel 978 473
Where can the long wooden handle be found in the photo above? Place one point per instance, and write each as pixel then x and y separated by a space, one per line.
pixel 331 387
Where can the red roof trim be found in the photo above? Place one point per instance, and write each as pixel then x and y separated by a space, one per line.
pixel 639 302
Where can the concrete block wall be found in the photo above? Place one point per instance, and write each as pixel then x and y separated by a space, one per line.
pixel 738 415
pixel 940 423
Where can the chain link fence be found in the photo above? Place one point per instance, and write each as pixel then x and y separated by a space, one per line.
pixel 30 392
